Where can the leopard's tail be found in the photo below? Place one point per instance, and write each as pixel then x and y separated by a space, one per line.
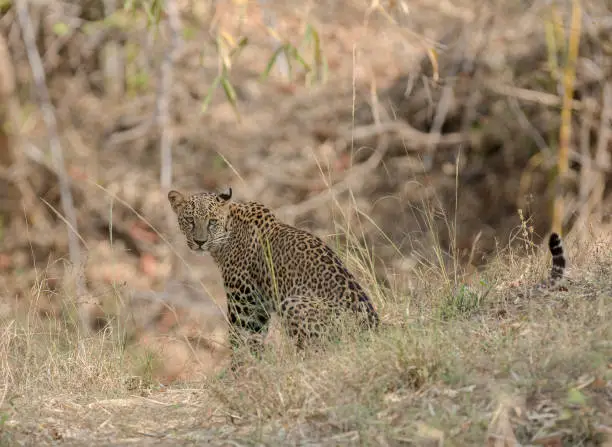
pixel 558 258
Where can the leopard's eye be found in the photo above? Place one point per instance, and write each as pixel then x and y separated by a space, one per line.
pixel 190 221
pixel 212 223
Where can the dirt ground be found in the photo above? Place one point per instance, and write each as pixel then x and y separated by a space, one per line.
pixel 437 122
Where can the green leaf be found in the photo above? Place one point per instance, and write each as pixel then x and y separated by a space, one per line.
pixel 320 72
pixel 238 48
pixel 271 62
pixel 287 53
pixel 5 5
pixel 230 93
pixel 313 34
pixel 60 29
pixel 209 95
pixel 229 90
pixel 575 397
pixel 296 55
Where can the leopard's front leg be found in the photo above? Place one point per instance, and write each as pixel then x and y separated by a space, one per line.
pixel 248 319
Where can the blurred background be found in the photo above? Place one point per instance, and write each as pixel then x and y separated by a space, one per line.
pixel 428 132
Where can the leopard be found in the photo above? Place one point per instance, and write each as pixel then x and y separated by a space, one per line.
pixel 268 266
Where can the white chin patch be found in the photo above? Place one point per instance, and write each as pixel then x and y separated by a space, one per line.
pixel 200 252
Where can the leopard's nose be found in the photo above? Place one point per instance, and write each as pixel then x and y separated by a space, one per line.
pixel 199 243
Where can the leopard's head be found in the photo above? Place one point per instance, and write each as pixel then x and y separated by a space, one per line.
pixel 202 218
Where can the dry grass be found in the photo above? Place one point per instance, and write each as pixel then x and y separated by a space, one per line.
pixel 461 361
pixel 449 368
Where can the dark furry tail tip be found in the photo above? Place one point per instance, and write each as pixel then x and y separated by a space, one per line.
pixel 554 241
pixel 558 260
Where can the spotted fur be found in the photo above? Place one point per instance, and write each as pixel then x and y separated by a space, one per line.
pixel 269 266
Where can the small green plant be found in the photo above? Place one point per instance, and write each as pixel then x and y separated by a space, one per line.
pixel 463 301
pixel 138 82
pixel 152 8
pixel 148 366
pixel 5 436
pixel 290 52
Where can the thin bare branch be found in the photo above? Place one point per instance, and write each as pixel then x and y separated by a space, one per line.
pixel 164 95
pixel 543 98
pixel 413 139
pixel 112 62
pixel 57 154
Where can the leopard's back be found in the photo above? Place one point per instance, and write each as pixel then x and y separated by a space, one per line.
pixel 287 263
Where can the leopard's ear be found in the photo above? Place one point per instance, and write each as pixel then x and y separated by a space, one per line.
pixel 225 195
pixel 176 199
